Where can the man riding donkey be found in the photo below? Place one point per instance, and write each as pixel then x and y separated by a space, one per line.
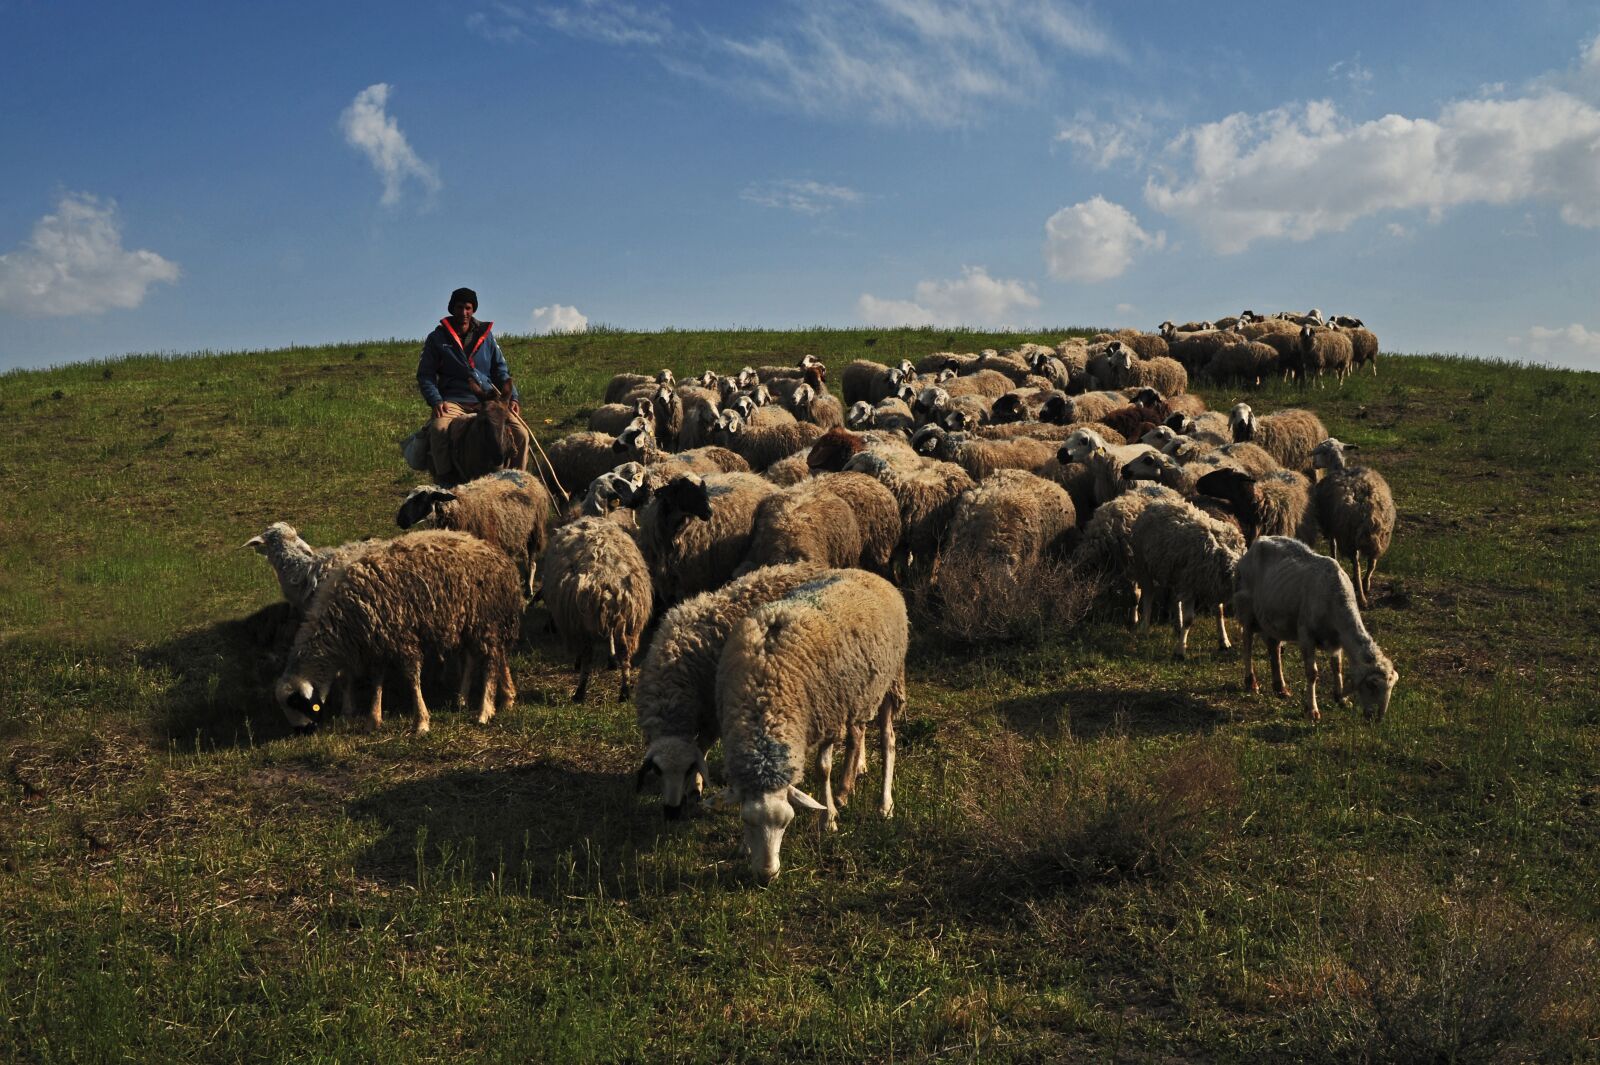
pixel 461 374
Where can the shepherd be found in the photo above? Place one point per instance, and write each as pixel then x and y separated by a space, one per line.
pixel 462 373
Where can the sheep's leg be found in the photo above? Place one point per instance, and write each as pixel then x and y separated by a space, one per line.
pixel 1136 598
pixel 583 673
pixel 420 704
pixel 625 664
pixel 488 681
pixel 1275 656
pixel 375 705
pixel 1336 661
pixel 505 696
pixel 892 704
pixel 1141 609
pixel 1308 655
pixel 1250 683
pixel 469 674
pixel 1222 628
pixel 611 650
pixel 1361 587
pixel 1181 620
pixel 854 762
pixel 1372 569
pixel 825 765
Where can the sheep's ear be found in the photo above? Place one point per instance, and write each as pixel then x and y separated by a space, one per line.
pixel 256 542
pixel 1352 447
pixel 800 798
pixel 642 777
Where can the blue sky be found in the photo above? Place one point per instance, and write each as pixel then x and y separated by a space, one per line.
pixel 224 175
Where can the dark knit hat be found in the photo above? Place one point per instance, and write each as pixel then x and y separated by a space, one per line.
pixel 460 296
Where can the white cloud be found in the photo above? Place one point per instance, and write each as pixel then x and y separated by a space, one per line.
pixel 803 197
pixel 1396 230
pixel 1125 308
pixel 1352 72
pixel 74 263
pixel 368 127
pixel 558 318
pixel 1094 240
pixel 1105 143
pixel 503 26
pixel 1574 343
pixel 1298 172
pixel 974 298
pixel 612 22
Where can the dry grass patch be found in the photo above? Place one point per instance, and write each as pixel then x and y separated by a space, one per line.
pixel 975 597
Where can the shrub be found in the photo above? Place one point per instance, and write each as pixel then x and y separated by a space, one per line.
pixel 975 597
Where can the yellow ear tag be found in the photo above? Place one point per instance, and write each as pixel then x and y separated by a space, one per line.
pixel 316 708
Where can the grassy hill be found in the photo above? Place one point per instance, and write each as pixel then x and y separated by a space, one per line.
pixel 1098 853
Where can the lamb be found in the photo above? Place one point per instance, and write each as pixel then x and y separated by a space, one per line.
pixel 1288 435
pixel 1287 591
pixel 980 457
pixel 1355 510
pixel 1189 556
pixel 676 702
pixel 761 446
pixel 435 592
pixel 1274 504
pixel 797 675
pixel 1014 518
pixel 872 381
pixel 299 566
pixel 695 531
pixel 926 492
pixel 597 587
pixel 508 509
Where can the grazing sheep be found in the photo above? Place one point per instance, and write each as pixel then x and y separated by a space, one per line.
pixel 925 491
pixel 508 509
pixel 1013 517
pixel 799 674
pixel 981 457
pixel 1287 435
pixel 1274 504
pixel 1187 556
pixel 872 381
pixel 1363 344
pixel 695 531
pixel 1286 591
pixel 676 700
pixel 299 566
pixel 613 418
pixel 597 587
pixel 1355 511
pixel 423 594
pixel 763 445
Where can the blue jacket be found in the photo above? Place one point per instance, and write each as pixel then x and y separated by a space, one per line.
pixel 444 368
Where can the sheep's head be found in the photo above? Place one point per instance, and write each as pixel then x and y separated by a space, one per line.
pixel 748 378
pixel 682 769
pixel 949 373
pixel 681 499
pixel 1167 329
pixel 1160 437
pixel 301 703
pixel 1330 454
pixel 1081 444
pixel 1148 397
pixel 1371 680
pixel 859 416
pixel 421 506
pixel 1057 410
pixel 833 449
pixel 814 375
pixel 760 395
pixel 1148 466
pixel 744 405
pixel 646 408
pixel 802 397
pixel 1121 356
pixel 867 462
pixel 280 532
pixel 929 402
pixel 1236 486
pixel 729 423
pixel 1242 420
pixel 905 394
pixel 664 377
pixel 926 441
pixel 637 438
pixel 708 379
pixel 895 377
pixel 766 816
pixel 907 370
pixel 959 421
pixel 1009 408
pixel 1180 423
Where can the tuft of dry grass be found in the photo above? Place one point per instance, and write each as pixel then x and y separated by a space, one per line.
pixel 976 597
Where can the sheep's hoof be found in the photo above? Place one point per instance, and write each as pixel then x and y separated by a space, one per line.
pixel 887 810
pixel 1283 690
pixel 422 728
pixel 579 696
pixel 485 717
pixel 1253 687
pixel 832 824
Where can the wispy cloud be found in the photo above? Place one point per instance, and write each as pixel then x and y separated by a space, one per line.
pixel 802 197
pixel 369 128
pixel 558 318
pixel 1353 73
pixel 1575 343
pixel 1094 241
pixel 935 63
pixel 74 263
pixel 501 23
pixel 1104 144
pixel 974 298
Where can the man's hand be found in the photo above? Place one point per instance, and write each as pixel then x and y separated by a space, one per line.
pixel 446 409
pixel 516 408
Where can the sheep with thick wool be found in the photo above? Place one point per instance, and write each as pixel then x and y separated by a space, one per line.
pixel 798 675
pixel 623 384
pixel 762 445
pixel 695 531
pixel 1105 461
pixel 1014 518
pixel 299 566
pixel 508 509
pixel 1107 544
pixel 1289 435
pixel 598 589
pixel 981 457
pixel 435 593
pixel 1186 557
pixel 925 491
pixel 1287 592
pixel 872 381
pixel 1162 373
pixel 1354 509
pixel 1271 504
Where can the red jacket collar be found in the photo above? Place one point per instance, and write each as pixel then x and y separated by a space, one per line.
pixel 481 336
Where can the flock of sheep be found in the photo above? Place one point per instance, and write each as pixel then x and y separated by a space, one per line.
pixel 766 529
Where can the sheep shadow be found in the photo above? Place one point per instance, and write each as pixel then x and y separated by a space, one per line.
pixel 220 695
pixel 524 829
pixel 1092 713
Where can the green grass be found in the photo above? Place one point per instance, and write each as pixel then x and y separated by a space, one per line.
pixel 1098 853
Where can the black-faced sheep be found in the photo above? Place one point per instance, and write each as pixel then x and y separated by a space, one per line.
pixel 1273 504
pixel 1286 591
pixel 597 588
pixel 613 418
pixel 423 594
pixel 694 532
pixel 798 675
pixel 1355 511
pixel 676 700
pixel 509 509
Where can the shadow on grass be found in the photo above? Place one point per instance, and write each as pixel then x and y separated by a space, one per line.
pixel 525 829
pixel 1090 713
